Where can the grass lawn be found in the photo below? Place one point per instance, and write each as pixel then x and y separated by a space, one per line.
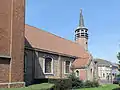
pixel 43 86
pixel 104 87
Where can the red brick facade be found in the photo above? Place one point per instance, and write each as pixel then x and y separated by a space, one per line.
pixel 12 26
pixel 4 70
pixel 83 74
pixel 5 26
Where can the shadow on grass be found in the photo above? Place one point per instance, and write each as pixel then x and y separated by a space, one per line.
pixel 116 88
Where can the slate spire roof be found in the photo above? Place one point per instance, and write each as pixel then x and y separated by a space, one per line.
pixel 81 21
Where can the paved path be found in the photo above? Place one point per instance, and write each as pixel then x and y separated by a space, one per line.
pixel 105 82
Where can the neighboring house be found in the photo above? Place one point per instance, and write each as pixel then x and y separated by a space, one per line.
pixel 104 68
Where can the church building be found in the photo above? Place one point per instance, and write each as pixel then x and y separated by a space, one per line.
pixel 51 56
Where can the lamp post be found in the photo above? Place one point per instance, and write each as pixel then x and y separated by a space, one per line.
pixel 111 72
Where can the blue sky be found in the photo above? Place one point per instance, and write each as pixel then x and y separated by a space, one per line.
pixel 61 17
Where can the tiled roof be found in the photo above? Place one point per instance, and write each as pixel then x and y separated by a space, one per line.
pixel 82 62
pixel 37 38
pixel 103 62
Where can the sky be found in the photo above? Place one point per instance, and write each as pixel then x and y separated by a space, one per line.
pixel 61 17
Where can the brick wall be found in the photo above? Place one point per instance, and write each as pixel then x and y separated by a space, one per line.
pixel 5 32
pixel 11 41
pixel 12 85
pixel 17 53
pixel 5 26
pixel 83 74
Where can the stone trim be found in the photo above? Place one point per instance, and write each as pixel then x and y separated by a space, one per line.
pixel 42 50
pixel 4 56
pixel 52 65
pixel 65 66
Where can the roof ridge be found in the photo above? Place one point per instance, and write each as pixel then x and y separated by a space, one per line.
pixel 103 60
pixel 53 34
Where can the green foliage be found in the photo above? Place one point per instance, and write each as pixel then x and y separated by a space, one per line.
pixel 118 56
pixel 88 84
pixel 76 83
pixel 118 75
pixel 96 84
pixel 72 82
pixel 118 69
pixel 61 84
pixel 119 62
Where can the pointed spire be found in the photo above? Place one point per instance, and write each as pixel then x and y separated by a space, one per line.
pixel 81 21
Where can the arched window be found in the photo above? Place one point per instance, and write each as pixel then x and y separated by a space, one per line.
pixel 77 73
pixel 67 66
pixel 48 65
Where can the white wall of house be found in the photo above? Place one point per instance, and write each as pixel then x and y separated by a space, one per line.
pixel 104 71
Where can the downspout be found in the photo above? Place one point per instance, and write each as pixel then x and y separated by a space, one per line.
pixel 87 66
pixel 10 71
pixel 60 61
pixel 86 73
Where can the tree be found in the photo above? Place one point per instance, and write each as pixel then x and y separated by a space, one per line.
pixel 118 56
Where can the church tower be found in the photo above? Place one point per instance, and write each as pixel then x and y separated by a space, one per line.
pixel 81 33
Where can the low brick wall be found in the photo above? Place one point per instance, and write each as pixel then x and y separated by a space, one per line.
pixel 4 70
pixel 12 85
pixel 4 86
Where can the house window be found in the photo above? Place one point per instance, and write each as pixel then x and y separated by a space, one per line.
pixel 48 65
pixel 67 66
pixel 103 75
pixel 77 73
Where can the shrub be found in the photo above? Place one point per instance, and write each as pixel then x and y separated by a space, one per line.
pixel 118 75
pixel 38 81
pixel 61 84
pixel 72 82
pixel 95 83
pixel 88 84
pixel 76 83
